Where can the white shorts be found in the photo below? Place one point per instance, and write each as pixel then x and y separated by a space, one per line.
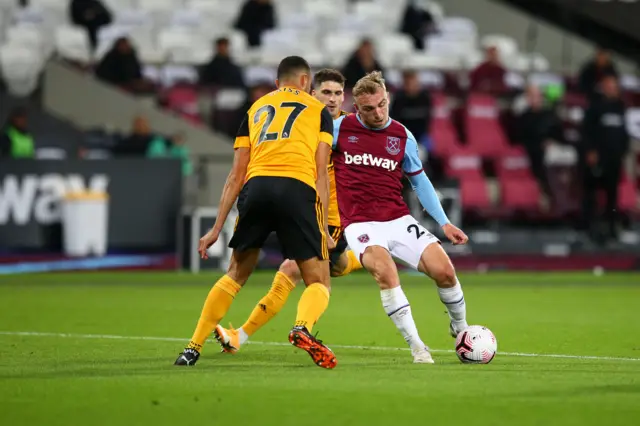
pixel 404 238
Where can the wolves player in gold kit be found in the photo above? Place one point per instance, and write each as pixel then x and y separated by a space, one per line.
pixel 329 89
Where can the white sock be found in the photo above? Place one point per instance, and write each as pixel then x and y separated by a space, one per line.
pixel 397 307
pixel 242 336
pixel 453 299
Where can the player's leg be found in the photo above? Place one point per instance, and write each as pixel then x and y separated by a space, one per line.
pixel 284 282
pixel 342 261
pixel 435 263
pixel 421 250
pixel 218 302
pixel 254 225
pixel 372 244
pixel 302 237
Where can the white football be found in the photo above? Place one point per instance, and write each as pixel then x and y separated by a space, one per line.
pixel 476 345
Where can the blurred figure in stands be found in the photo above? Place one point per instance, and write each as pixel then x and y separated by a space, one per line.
pixel 605 143
pixel 172 148
pixel 489 76
pixel 121 67
pixel 536 127
pixel 90 14
pixel 255 17
pixel 15 139
pixel 138 142
pixel 412 106
pixel 221 71
pixel 594 71
pixel 417 23
pixel 362 62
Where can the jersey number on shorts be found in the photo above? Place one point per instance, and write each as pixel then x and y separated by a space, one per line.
pixel 416 228
pixel 270 110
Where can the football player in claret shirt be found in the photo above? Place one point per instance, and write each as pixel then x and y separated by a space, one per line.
pixel 329 89
pixel 371 154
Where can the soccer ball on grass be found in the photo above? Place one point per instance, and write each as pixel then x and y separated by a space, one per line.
pixel 476 345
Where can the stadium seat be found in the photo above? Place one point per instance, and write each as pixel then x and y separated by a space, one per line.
pixel 340 45
pixel 507 46
pixel 185 47
pixel 73 43
pixel 474 193
pixel 484 132
pixel 182 99
pixel 434 62
pixel 444 137
pixel 31 37
pixel 174 73
pixel 464 164
pixel 187 18
pixel 391 48
pixel 513 163
pixel 20 68
pixel 458 27
pixel 628 196
pixel 519 194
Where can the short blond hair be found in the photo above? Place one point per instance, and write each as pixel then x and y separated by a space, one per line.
pixel 369 84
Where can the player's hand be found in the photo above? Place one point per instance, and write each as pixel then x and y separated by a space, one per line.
pixel 454 234
pixel 207 241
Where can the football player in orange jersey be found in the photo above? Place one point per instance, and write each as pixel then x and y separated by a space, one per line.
pixel 281 182
pixel 329 89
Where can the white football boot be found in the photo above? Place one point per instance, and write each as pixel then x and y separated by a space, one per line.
pixel 422 356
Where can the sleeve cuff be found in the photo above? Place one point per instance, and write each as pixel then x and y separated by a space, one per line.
pixel 242 142
pixel 326 138
pixel 417 172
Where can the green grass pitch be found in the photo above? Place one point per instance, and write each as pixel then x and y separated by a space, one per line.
pixel 97 349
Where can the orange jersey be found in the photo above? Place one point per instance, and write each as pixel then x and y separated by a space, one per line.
pixel 283 130
pixel 333 214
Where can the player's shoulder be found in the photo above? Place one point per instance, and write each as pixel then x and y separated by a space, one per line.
pixel 399 129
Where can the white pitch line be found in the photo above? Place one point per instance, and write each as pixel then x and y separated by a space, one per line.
pixel 371 348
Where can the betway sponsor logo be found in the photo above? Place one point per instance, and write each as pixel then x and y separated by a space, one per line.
pixel 370 160
pixel 32 197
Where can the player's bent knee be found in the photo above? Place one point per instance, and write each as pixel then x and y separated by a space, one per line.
pixel 380 265
pixel 443 274
pixel 290 269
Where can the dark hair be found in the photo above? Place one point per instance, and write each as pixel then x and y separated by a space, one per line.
pixel 222 40
pixel 328 74
pixel 292 64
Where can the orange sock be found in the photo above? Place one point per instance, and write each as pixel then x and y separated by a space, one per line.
pixel 270 304
pixel 215 308
pixel 313 302
pixel 353 264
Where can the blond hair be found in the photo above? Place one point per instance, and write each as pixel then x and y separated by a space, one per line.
pixel 369 84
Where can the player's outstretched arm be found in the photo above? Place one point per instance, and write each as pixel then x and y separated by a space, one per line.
pixel 232 186
pixel 427 193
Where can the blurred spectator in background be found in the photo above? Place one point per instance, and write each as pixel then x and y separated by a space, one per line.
pixel 138 142
pixel 90 14
pixel 594 71
pixel 255 17
pixel 489 75
pixel 362 62
pixel 173 148
pixel 417 23
pixel 411 105
pixel 605 143
pixel 15 139
pixel 221 71
pixel 121 67
pixel 536 127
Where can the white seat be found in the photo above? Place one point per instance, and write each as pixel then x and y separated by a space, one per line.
pixel 173 73
pixel 391 48
pixel 133 18
pixel 73 43
pixel 185 47
pixel 230 99
pixel 458 27
pixel 259 74
pixel 507 46
pixel 20 68
pixel 221 12
pixel 31 37
pixel 107 35
pixel 338 47
pixel 50 153
pixel 446 46
pixel 422 61
pixel 189 18
pixel 146 47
